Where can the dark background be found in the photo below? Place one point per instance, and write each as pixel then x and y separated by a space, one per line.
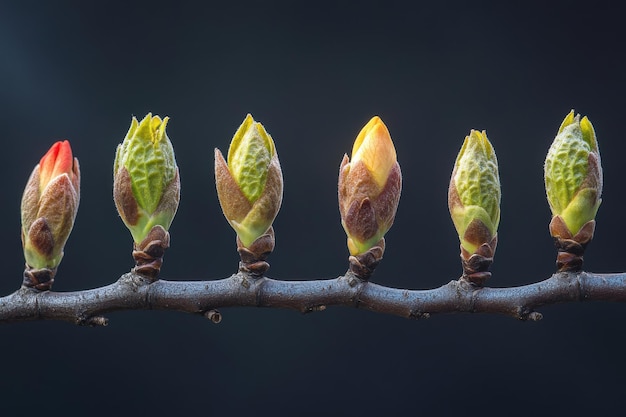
pixel 313 73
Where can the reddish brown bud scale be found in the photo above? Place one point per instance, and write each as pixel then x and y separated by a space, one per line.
pixel 386 203
pixel 41 237
pixel 234 204
pixel 123 196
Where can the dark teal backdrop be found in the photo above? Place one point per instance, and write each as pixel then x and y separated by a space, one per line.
pixel 313 73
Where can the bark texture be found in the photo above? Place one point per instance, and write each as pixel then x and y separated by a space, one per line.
pixel 135 292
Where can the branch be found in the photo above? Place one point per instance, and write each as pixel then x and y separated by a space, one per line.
pixel 134 292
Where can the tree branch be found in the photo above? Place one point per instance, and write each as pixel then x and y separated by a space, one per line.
pixel 134 292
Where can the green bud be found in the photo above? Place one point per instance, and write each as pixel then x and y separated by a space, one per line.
pixel 146 186
pixel 250 184
pixel 474 192
pixel 573 173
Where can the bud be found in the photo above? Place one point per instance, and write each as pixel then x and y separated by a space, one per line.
pixel 146 186
pixel 573 173
pixel 573 178
pixel 474 203
pixel 369 190
pixel 250 184
pixel 49 207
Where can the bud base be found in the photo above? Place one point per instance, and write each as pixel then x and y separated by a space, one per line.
pixel 476 265
pixel 570 248
pixel 149 253
pixel 364 264
pixel 253 257
pixel 39 279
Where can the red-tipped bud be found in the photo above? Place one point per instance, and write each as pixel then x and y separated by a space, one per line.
pixel 49 207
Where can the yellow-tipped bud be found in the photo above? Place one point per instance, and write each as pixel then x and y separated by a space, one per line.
pixel 369 187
